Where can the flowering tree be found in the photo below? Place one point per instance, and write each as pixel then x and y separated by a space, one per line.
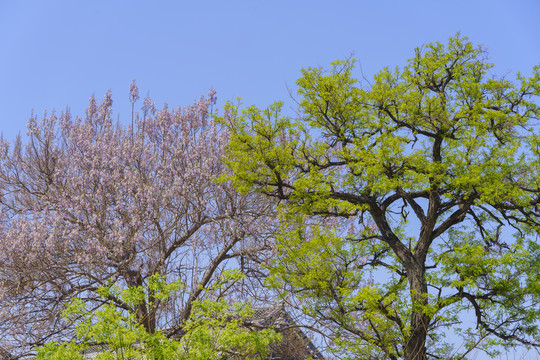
pixel 85 203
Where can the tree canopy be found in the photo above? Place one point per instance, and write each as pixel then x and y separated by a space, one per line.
pixel 86 202
pixel 408 208
pixel 407 201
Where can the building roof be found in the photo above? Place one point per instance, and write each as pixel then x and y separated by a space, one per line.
pixel 295 344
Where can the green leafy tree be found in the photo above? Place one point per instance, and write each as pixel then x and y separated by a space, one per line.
pixel 407 202
pixel 214 330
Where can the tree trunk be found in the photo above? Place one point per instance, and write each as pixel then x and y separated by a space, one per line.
pixel 415 349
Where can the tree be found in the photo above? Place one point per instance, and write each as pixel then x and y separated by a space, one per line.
pixel 86 202
pixel 407 202
pixel 214 330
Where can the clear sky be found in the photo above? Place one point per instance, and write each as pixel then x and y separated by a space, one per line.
pixel 57 53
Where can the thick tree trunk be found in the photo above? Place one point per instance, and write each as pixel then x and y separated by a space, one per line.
pixel 415 349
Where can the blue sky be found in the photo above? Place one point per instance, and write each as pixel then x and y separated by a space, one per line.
pixel 57 53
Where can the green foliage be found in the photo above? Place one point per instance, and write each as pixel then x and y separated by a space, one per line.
pixel 122 335
pixel 405 201
pixel 213 330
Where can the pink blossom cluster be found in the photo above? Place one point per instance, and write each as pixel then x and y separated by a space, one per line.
pixel 85 201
